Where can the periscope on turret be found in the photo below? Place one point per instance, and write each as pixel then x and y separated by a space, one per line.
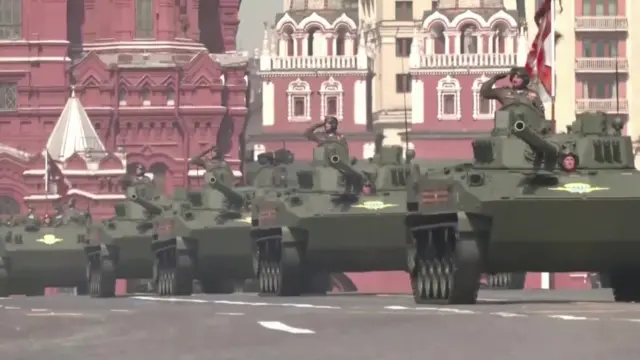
pixel 334 215
pixel 531 200
pixel 120 247
pixel 38 253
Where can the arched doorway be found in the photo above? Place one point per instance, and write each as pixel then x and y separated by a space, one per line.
pixel 160 173
pixel 9 206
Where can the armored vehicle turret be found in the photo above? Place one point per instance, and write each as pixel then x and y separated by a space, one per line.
pixel 530 200
pixel 208 238
pixel 119 247
pixel 38 253
pixel 341 216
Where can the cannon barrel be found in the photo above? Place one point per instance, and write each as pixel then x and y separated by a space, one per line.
pixel 533 139
pixel 231 195
pixel 153 209
pixel 337 162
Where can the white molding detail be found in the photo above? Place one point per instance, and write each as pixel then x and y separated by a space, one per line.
pixel 257 150
pixel 449 86
pixel 295 89
pixel 477 115
pixel 329 88
pixel 368 150
pixel 469 15
pixel 314 18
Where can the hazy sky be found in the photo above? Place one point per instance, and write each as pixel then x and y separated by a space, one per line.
pixel 252 16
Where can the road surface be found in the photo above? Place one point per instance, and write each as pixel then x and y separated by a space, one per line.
pixel 520 325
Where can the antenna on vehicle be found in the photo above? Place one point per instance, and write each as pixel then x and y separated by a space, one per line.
pixel 617 76
pixel 404 99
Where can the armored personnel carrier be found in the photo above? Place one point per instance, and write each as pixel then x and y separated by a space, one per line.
pixel 531 200
pixel 340 217
pixel 38 253
pixel 207 238
pixel 119 248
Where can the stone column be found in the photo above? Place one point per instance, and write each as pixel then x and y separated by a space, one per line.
pixel 429 46
pixel 348 44
pixel 509 42
pixel 299 42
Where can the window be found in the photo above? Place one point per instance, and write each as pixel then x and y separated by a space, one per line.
pixel 299 106
pixel 449 107
pixel 404 10
pixel 403 47
pixel 122 96
pixel 145 94
pixel 599 48
pixel 448 91
pixel 332 105
pixel 8 96
pixel 299 95
pixel 599 90
pixel 586 48
pixel 403 83
pixel 144 19
pixel 171 96
pixel 600 7
pixel 10 19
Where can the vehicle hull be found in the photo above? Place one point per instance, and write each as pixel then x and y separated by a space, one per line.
pixel 224 250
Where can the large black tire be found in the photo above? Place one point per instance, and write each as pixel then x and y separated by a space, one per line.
pixel 101 278
pixel 4 283
pixel 279 269
pixel 174 274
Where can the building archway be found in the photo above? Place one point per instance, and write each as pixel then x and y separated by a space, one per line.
pixel 160 173
pixel 9 205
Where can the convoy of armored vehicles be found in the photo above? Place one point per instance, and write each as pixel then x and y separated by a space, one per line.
pixel 529 200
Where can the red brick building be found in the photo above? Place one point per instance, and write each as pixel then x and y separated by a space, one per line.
pixel 152 88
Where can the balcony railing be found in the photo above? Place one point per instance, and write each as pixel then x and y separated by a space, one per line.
pixel 467 61
pixel 601 23
pixel 604 105
pixel 314 62
pixel 601 65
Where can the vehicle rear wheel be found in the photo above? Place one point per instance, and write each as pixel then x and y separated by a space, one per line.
pixel 279 268
pixel 102 279
pixel 446 266
pixel 4 283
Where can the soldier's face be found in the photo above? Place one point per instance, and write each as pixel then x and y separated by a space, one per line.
pixel 516 81
pixel 327 127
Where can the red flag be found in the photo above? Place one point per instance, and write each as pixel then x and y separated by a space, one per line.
pixel 539 61
pixel 54 172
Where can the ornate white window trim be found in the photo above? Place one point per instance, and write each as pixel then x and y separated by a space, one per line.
pixel 257 150
pixel 299 88
pixel 368 150
pixel 449 86
pixel 332 88
pixel 477 99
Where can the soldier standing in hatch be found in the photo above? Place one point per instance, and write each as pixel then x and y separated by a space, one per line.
pixel 330 125
pixel 141 176
pixel 517 92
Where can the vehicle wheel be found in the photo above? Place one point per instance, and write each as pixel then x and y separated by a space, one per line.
pixel 279 270
pixel 102 279
pixel 4 283
pixel 447 268
pixel 174 274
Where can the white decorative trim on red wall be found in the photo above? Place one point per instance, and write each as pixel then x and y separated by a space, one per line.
pixel 329 88
pixel 449 86
pixel 477 115
pixel 295 89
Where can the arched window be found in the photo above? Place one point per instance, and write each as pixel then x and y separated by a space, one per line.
pixel 468 40
pixel 341 37
pixel 449 99
pixel 368 150
pixel 288 41
pixel 498 38
pixel 331 96
pixel 299 95
pixel 439 39
pixel 483 109
pixel 122 96
pixel 310 40
pixel 145 95
pixel 9 205
pixel 257 150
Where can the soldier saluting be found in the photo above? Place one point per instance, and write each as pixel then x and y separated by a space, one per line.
pixel 330 125
pixel 517 92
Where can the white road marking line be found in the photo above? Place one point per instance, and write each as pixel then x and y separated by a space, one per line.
pixel 40 310
pixel 121 310
pixel 12 308
pixel 277 325
pixel 229 302
pixel 230 313
pixel 55 314
pixel 437 309
pixel 571 317
pixel 492 300
pixel 507 314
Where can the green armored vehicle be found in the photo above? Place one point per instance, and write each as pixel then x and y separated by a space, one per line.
pixel 205 238
pixel 119 248
pixel 36 254
pixel 340 217
pixel 531 200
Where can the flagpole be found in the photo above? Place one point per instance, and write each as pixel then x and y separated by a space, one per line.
pixel 46 172
pixel 552 34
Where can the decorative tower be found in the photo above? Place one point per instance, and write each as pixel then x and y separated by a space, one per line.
pixel 313 64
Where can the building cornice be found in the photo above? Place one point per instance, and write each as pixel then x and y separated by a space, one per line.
pixel 444 135
pixel 365 136
pixel 459 71
pixel 312 73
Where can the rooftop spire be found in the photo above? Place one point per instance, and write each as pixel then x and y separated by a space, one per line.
pixel 73 132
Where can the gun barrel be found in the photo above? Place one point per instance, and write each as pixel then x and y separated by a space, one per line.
pixel 340 164
pixel 533 139
pixel 152 208
pixel 227 191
